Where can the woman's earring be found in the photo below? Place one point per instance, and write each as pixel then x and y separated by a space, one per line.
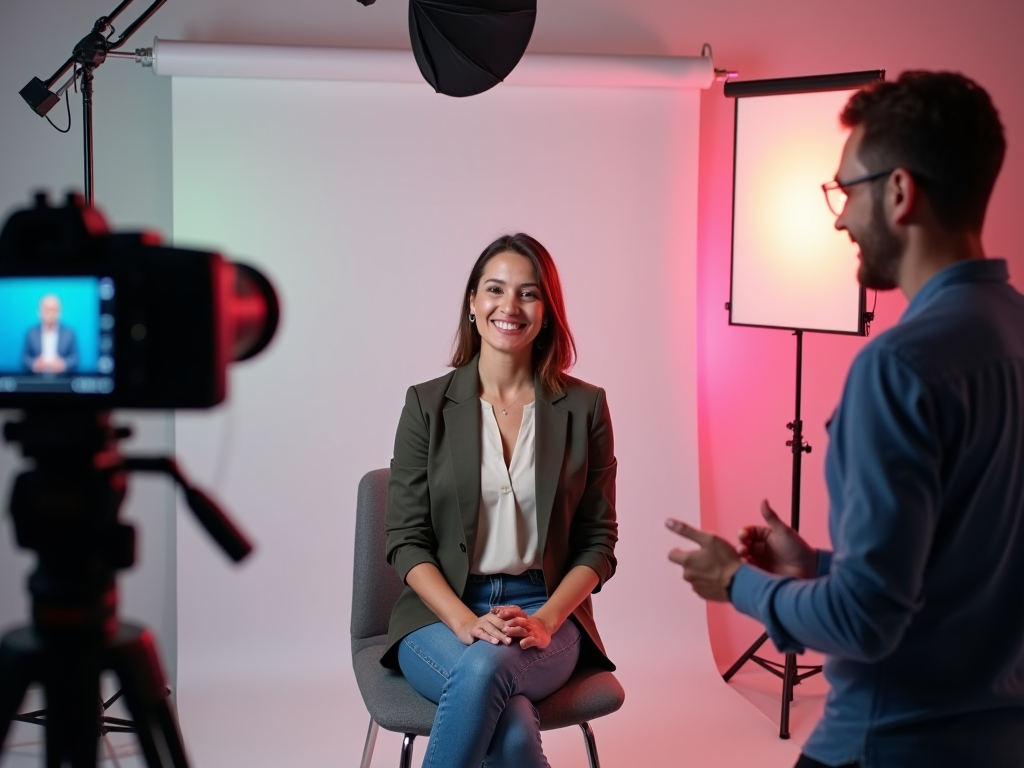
pixel 544 324
pixel 472 317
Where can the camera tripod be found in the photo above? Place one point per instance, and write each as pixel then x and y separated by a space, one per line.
pixel 66 510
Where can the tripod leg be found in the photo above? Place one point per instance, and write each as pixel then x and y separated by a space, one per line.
pixel 71 681
pixel 788 679
pixel 745 657
pixel 19 664
pixel 135 660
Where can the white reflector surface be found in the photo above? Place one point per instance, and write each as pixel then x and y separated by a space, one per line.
pixel 790 267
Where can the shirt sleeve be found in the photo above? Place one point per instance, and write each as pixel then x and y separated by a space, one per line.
pixel 594 529
pixel 410 538
pixel 883 472
pixel 824 562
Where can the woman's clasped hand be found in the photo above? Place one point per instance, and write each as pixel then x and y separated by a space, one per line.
pixel 488 627
pixel 529 630
pixel 505 624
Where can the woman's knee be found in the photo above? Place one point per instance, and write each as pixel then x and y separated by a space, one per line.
pixel 483 661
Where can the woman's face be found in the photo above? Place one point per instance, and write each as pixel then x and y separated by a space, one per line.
pixel 508 305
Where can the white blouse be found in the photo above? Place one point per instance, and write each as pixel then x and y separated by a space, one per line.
pixel 506 539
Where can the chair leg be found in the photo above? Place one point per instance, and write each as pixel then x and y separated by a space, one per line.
pixel 406 761
pixel 371 741
pixel 588 737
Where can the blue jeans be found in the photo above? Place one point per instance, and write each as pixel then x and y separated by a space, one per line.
pixel 484 692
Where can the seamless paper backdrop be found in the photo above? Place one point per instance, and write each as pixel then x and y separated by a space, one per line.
pixel 366 204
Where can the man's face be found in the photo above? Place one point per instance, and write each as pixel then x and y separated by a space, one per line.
pixel 864 220
pixel 49 311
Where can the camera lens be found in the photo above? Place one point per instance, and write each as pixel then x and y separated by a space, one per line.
pixel 254 311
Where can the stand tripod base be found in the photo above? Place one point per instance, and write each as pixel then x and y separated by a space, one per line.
pixel 108 724
pixel 789 672
pixel 71 684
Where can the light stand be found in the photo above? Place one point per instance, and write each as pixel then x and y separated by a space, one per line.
pixel 790 672
pixel 88 54
pixel 790 269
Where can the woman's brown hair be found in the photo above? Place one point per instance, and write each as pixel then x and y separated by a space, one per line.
pixel 554 349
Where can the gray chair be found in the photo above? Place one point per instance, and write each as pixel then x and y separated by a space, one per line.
pixel 390 700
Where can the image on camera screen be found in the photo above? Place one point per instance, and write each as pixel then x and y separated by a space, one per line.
pixel 57 335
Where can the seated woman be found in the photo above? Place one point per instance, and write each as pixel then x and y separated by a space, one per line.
pixel 500 517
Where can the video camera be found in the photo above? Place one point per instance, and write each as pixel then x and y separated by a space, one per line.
pixel 100 320
pixel 92 320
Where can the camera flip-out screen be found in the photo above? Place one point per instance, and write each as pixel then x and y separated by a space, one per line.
pixel 57 335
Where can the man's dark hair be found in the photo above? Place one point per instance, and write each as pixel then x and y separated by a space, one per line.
pixel 944 129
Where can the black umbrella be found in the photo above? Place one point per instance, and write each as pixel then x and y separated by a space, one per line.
pixel 464 47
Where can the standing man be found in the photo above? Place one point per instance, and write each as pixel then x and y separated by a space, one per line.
pixel 50 347
pixel 920 608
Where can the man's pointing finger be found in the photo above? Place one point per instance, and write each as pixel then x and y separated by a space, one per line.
pixel 689 532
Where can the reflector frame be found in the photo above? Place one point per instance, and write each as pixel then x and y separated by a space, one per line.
pixel 790 267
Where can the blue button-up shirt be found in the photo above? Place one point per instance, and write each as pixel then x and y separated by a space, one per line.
pixel 920 608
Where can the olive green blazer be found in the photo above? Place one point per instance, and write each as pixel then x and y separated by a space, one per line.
pixel 434 493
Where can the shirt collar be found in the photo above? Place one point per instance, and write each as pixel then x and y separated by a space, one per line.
pixel 969 271
pixel 466 384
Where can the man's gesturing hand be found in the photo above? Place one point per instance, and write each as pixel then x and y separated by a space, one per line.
pixel 709 569
pixel 777 548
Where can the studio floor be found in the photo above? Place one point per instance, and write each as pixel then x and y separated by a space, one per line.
pixel 270 724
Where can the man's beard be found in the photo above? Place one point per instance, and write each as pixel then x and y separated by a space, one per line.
pixel 881 252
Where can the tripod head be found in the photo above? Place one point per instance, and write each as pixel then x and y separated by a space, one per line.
pixel 66 507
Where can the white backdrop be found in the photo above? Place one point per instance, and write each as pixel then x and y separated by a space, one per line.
pixel 366 203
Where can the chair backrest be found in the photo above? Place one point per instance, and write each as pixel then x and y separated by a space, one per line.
pixel 375 584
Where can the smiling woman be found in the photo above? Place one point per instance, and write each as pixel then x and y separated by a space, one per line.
pixel 553 349
pixel 507 309
pixel 494 465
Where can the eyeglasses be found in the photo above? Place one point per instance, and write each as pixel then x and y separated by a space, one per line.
pixel 836 194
